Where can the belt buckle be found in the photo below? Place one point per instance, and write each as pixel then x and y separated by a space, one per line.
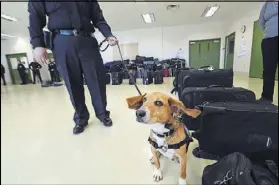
pixel 76 33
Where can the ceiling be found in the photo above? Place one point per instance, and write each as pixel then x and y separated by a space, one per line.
pixel 127 15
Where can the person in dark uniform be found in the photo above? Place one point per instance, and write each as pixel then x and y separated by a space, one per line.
pixel 54 74
pixel 268 21
pixel 3 74
pixel 22 72
pixel 35 68
pixel 76 51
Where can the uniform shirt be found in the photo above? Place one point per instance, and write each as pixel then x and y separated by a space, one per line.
pixel 21 68
pixel 64 15
pixel 2 70
pixel 35 66
pixel 52 66
pixel 268 20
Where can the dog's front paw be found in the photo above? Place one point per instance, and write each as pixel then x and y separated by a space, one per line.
pixel 157 175
pixel 182 181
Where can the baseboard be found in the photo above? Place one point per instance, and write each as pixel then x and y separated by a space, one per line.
pixel 239 73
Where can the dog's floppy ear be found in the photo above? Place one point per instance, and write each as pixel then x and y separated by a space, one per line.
pixel 135 102
pixel 178 105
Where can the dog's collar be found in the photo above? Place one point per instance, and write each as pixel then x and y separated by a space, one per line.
pixel 165 134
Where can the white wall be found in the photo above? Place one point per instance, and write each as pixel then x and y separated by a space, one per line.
pixel 242 63
pixel 164 42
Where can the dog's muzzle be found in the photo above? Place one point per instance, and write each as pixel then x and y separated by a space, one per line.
pixel 141 115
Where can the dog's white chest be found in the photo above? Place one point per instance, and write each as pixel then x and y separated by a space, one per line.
pixel 169 153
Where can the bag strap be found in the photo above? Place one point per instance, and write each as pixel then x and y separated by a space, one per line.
pixel 273 168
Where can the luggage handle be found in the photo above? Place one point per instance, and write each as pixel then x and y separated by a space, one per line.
pixel 212 86
pixel 206 68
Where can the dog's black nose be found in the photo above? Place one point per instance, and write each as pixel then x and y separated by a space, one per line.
pixel 140 113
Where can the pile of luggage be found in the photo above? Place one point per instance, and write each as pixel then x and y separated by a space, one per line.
pixel 232 120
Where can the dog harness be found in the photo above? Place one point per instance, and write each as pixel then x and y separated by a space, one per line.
pixel 186 141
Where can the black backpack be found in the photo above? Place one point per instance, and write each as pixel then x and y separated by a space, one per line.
pixel 236 169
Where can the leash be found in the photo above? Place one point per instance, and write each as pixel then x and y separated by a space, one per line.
pixel 122 60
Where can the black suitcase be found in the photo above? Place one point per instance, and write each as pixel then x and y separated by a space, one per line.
pixel 147 77
pixel 158 77
pixel 132 74
pixel 205 78
pixel 116 78
pixel 107 78
pixel 202 77
pixel 193 96
pixel 179 75
pixel 247 127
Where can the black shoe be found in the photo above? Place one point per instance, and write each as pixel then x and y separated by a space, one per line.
pixel 107 122
pixel 79 128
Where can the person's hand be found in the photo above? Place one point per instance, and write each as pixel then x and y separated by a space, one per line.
pixel 40 55
pixel 112 41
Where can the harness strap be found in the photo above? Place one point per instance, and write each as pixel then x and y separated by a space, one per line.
pixel 186 141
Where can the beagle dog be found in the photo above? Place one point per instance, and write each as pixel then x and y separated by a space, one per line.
pixel 168 135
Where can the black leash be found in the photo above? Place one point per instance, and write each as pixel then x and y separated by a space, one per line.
pixel 122 60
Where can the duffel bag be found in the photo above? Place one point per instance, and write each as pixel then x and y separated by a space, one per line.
pixel 237 169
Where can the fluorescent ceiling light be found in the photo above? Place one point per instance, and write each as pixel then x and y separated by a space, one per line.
pixel 8 18
pixel 210 11
pixel 148 18
pixel 6 35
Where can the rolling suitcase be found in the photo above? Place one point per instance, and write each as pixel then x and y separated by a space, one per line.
pixel 107 78
pixel 115 78
pixel 158 77
pixel 193 96
pixel 166 73
pixel 179 74
pixel 133 74
pixel 202 77
pixel 205 78
pixel 147 77
pixel 247 127
pixel 170 72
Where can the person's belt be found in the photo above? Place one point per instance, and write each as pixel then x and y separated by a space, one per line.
pixel 75 32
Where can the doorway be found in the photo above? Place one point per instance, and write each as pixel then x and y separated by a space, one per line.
pixel 12 64
pixel 204 53
pixel 229 51
pixel 256 62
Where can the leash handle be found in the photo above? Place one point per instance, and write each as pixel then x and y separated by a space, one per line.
pixel 100 45
pixel 122 60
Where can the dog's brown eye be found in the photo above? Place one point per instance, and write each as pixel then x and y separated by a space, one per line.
pixel 158 103
pixel 144 99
